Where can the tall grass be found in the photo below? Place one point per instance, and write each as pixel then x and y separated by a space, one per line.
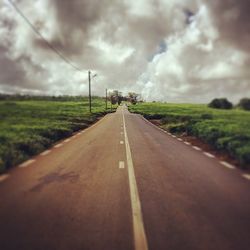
pixel 27 127
pixel 225 130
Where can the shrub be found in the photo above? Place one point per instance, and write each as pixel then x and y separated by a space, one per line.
pixel 244 103
pixel 220 103
pixel 153 116
pixel 222 143
pixel 1 166
pixel 243 154
pixel 176 118
pixel 169 119
pixel 207 116
pixel 177 128
pixel 211 135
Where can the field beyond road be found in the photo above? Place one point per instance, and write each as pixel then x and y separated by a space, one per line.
pixel 27 127
pixel 226 130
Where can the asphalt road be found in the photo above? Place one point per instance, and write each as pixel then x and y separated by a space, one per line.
pixel 124 184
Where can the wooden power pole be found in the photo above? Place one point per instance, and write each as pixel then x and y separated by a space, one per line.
pixel 106 99
pixel 90 110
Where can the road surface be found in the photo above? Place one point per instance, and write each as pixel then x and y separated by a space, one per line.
pixel 124 184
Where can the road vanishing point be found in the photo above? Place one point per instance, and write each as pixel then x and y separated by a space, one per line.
pixel 124 184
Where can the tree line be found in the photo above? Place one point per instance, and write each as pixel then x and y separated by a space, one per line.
pixel 223 103
pixel 116 97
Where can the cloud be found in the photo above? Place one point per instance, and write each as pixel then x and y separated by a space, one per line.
pixel 233 21
pixel 169 50
pixel 197 66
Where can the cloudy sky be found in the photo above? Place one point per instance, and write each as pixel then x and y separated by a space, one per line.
pixel 167 50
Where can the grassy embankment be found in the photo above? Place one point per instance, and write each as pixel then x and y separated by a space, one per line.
pixel 225 130
pixel 27 127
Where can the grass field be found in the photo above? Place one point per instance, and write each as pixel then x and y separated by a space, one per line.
pixel 27 127
pixel 225 130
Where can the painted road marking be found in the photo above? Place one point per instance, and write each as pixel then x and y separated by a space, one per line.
pixel 140 240
pixel 227 165
pixel 3 177
pixel 246 176
pixel 197 148
pixel 27 163
pixel 121 142
pixel 58 145
pixel 209 155
pixel 121 164
pixel 152 123
pixel 45 152
pixel 96 123
pixel 187 143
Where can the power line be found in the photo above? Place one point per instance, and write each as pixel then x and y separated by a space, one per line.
pixel 55 50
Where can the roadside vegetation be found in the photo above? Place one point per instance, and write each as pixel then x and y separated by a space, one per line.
pixel 29 125
pixel 244 103
pixel 226 130
pixel 220 103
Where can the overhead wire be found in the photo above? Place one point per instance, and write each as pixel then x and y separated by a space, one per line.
pixel 55 50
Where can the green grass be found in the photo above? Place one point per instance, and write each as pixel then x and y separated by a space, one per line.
pixel 27 127
pixel 225 130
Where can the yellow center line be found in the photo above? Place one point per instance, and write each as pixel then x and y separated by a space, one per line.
pixel 140 240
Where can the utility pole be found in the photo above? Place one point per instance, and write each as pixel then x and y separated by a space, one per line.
pixel 90 91
pixel 111 103
pixel 106 99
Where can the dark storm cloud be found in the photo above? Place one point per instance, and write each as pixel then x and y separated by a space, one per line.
pixel 11 72
pixel 76 20
pixel 14 73
pixel 73 22
pixel 232 18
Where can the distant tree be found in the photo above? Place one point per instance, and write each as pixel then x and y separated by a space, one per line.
pixel 244 103
pixel 125 98
pixel 133 97
pixel 220 103
pixel 116 97
pixel 113 99
pixel 120 98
